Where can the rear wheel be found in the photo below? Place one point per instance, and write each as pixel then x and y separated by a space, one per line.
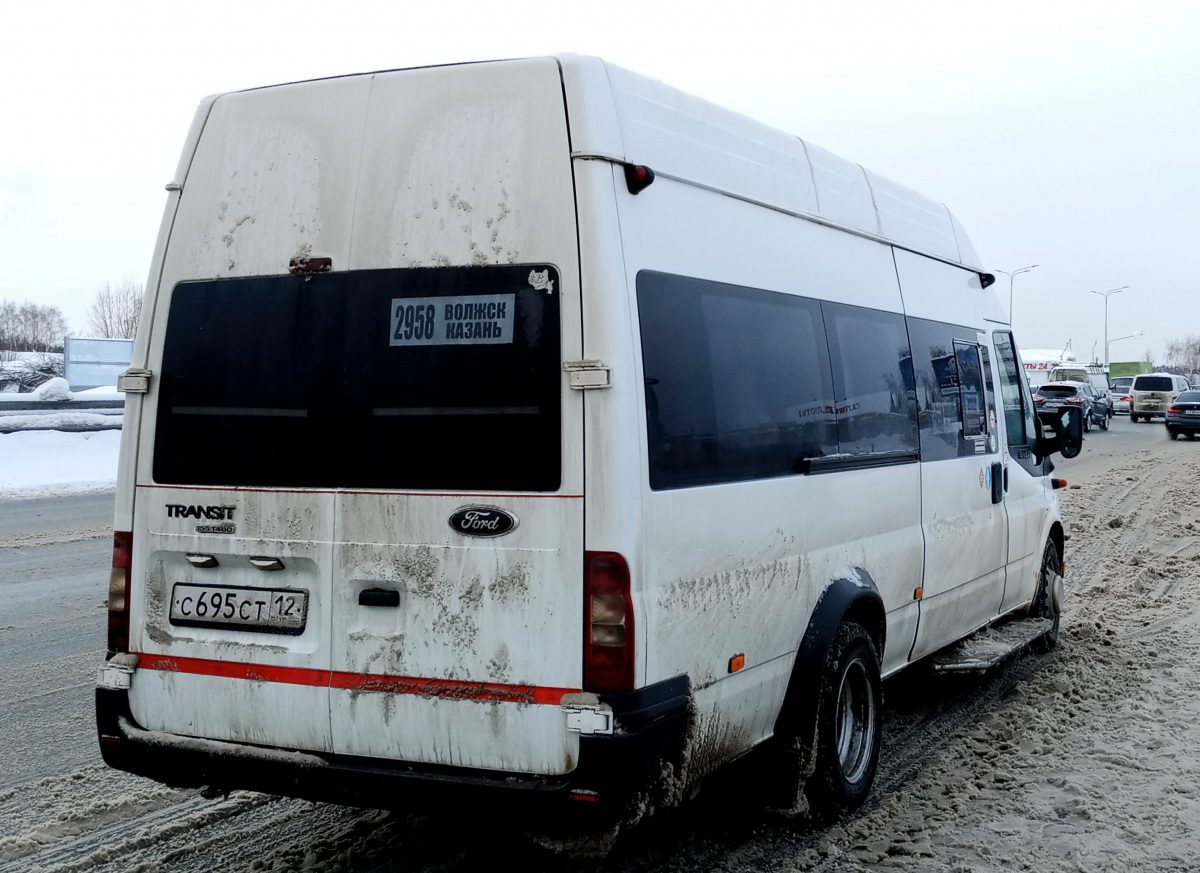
pixel 1172 433
pixel 848 724
pixel 1047 603
pixel 1133 417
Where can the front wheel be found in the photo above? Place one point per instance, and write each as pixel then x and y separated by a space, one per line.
pixel 848 723
pixel 1047 602
pixel 1104 423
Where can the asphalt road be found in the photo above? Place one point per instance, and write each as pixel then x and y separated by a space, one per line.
pixel 55 556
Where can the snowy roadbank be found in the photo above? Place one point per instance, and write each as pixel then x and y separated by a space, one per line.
pixel 50 463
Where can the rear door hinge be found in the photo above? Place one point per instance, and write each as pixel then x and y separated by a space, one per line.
pixel 589 720
pixel 583 375
pixel 134 381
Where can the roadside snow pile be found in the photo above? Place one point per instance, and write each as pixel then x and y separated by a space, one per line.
pixel 57 388
pixel 49 463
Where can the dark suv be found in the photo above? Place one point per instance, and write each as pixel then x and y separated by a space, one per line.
pixel 1053 396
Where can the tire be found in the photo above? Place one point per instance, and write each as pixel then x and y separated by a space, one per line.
pixel 1087 424
pixel 1104 423
pixel 1045 602
pixel 849 724
pixel 1133 417
pixel 1172 433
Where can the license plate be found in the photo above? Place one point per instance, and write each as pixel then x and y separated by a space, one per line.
pixel 266 610
pixel 1051 405
pixel 1191 412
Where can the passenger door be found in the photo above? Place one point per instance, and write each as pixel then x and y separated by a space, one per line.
pixel 966 533
pixel 1025 498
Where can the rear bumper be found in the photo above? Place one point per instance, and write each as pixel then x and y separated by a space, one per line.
pixel 1183 424
pixel 652 726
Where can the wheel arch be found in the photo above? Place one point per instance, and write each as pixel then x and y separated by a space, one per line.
pixel 1057 536
pixel 851 596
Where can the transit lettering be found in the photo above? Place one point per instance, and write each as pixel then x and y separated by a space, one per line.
pixel 212 513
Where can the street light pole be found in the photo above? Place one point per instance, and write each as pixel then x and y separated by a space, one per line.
pixel 1106 295
pixel 1012 275
pixel 1107 343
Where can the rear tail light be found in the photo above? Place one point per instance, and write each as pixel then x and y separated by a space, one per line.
pixel 1174 409
pixel 118 591
pixel 1075 400
pixel 1037 399
pixel 608 623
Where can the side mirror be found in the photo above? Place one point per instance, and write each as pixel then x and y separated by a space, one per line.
pixel 1062 432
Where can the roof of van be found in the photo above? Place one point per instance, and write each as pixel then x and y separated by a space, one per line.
pixel 683 137
pixel 622 116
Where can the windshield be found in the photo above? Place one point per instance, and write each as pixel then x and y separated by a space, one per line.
pixel 422 378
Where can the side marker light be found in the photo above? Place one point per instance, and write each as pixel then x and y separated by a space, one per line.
pixel 737 662
pixel 638 178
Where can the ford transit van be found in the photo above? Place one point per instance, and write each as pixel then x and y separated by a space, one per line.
pixel 531 432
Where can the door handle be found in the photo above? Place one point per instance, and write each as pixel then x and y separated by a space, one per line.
pixel 379 597
pixel 998 474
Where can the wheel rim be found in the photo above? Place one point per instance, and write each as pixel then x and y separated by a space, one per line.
pixel 855 721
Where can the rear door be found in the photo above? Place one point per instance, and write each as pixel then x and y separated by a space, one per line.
pixel 368 297
pixel 234 504
pixel 458 545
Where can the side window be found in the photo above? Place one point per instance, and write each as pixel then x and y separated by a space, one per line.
pixel 970 390
pixel 1020 424
pixel 874 389
pixel 738 382
pixel 951 393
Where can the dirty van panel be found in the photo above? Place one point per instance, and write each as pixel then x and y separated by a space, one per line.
pixel 273 178
pixel 467 164
pixel 465 665
pixel 230 595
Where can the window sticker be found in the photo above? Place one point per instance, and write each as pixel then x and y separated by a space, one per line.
pixel 477 319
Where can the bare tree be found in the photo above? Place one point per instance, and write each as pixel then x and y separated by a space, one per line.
pixel 1183 355
pixel 28 327
pixel 115 312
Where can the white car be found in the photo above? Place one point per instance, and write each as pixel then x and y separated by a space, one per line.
pixel 1119 389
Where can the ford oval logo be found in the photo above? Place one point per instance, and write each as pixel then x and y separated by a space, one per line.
pixel 483 521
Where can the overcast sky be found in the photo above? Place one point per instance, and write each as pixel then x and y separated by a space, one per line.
pixel 1063 134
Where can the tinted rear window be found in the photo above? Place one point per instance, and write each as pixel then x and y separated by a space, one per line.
pixel 422 378
pixel 1050 391
pixel 1153 383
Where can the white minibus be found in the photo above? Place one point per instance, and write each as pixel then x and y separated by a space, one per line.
pixel 530 432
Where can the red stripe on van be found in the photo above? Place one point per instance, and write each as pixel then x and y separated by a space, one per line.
pixel 447 688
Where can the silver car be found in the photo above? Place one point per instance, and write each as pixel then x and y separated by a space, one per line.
pixel 1119 389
